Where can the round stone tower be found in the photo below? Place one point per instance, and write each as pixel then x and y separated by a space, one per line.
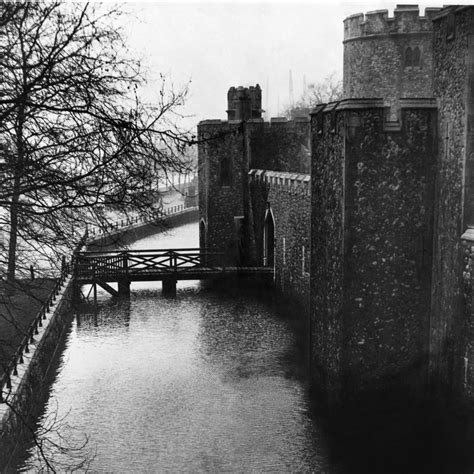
pixel 388 57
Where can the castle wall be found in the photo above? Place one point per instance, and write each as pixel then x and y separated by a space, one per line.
pixel 464 369
pixel 226 152
pixel 388 57
pixel 452 351
pixel 280 145
pixel 222 171
pixel 392 204
pixel 287 197
pixel 372 207
pixel 327 251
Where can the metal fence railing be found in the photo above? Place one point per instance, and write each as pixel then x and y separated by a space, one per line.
pixel 131 221
pixel 11 368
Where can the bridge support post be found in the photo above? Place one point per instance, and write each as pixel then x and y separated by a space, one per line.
pixel 124 281
pixel 76 292
pixel 124 287
pixel 169 286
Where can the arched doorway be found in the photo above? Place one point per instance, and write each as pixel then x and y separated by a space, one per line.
pixel 269 239
pixel 202 239
pixel 202 234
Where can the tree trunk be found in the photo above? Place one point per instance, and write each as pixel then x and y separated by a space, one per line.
pixel 16 192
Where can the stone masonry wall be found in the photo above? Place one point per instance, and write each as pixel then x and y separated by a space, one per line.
pixel 388 254
pixel 376 64
pixel 327 252
pixel 221 192
pixel 287 197
pixel 466 354
pixel 28 387
pixel 225 152
pixel 279 145
pixel 452 324
pixel 372 246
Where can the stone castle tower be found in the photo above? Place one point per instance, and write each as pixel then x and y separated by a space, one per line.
pixel 389 219
pixel 389 57
pixel 244 103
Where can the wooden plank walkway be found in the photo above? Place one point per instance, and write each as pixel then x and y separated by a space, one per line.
pixel 167 265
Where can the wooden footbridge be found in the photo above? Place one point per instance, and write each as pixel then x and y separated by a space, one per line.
pixel 166 265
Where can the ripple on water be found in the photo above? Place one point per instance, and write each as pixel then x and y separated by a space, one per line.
pixel 199 383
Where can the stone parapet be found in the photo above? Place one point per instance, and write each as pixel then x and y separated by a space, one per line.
pixel 406 19
pixel 392 116
pixel 293 183
pixel 274 121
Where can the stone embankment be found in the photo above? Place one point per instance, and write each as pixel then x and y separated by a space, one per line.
pixel 138 228
pixel 22 382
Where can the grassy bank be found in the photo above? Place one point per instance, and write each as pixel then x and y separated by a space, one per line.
pixel 19 304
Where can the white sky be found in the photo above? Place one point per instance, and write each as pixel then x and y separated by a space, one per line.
pixel 216 45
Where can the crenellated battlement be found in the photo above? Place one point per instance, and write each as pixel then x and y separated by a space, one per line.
pixel 406 19
pixel 293 183
pixel 275 122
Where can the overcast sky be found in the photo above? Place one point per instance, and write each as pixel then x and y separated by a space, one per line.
pixel 217 45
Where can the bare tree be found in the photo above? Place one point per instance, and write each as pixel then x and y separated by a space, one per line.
pixel 76 136
pixel 323 92
pixel 76 141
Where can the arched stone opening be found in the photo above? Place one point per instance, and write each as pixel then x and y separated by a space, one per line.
pixel 202 234
pixel 416 60
pixel 202 237
pixel 269 239
pixel 413 57
pixel 408 57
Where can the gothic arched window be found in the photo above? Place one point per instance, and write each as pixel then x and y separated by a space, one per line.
pixel 413 57
pixel 408 57
pixel 416 59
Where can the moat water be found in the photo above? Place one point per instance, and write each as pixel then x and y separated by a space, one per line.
pixel 212 381
pixel 209 381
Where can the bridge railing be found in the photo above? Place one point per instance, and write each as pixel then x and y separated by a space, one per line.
pixel 103 265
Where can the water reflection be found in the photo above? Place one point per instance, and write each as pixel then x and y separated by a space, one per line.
pixel 198 383
pixel 110 314
pixel 214 381
pixel 263 346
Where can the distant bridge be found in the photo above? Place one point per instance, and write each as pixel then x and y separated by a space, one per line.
pixel 166 265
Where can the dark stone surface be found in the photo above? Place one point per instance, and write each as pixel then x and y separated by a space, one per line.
pixel 220 202
pixel 244 103
pixel 392 194
pixel 371 248
pixel 451 325
pixel 291 211
pixel 227 223
pixel 467 339
pixel 280 146
pixel 327 240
